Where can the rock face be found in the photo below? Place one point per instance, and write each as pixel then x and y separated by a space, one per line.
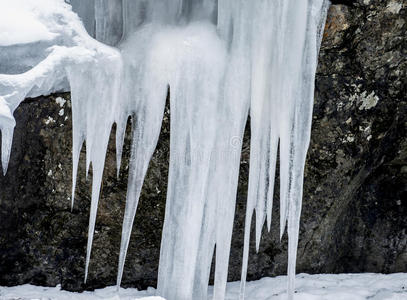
pixel 355 197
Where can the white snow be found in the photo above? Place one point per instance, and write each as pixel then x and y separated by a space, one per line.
pixel 308 287
pixel 327 287
pixel 31 292
pixel 220 59
pixel 394 7
pixel 61 101
pixel 20 25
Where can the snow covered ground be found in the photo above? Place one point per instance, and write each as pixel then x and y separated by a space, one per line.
pixel 308 287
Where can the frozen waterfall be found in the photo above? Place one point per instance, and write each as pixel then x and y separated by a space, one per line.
pixel 220 60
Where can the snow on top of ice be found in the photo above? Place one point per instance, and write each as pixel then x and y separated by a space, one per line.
pixel 43 38
pixel 35 22
pixel 20 24
pixel 27 21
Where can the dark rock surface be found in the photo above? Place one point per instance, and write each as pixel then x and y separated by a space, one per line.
pixel 354 217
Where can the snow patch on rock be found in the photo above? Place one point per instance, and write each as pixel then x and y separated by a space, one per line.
pixel 367 101
pixel 394 7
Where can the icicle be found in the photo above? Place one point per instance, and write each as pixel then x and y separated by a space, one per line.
pixel 86 11
pixel 6 141
pixel 7 124
pixel 120 135
pixel 109 21
pixel 199 10
pixel 280 35
pixel 153 12
pixel 302 128
pixel 146 87
pixel 194 117
pixel 89 127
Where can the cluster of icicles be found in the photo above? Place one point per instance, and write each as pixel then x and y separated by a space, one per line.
pixel 221 60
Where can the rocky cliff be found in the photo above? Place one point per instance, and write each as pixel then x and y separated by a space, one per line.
pixel 355 198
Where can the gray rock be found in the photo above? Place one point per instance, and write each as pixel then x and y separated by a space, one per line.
pixel 355 196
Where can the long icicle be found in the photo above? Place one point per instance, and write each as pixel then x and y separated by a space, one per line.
pixel 278 113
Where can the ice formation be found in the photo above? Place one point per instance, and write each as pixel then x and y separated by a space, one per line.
pixel 220 60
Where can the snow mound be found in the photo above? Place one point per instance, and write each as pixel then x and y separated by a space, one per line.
pixel 20 25
pixel 31 292
pixel 309 287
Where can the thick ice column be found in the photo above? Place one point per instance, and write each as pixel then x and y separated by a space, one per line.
pixel 86 11
pixel 133 15
pixel 302 127
pixel 200 10
pixel 234 26
pixel 144 91
pixel 147 59
pixel 198 57
pixel 103 19
pixel 237 22
pixel 108 21
pixel 138 12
